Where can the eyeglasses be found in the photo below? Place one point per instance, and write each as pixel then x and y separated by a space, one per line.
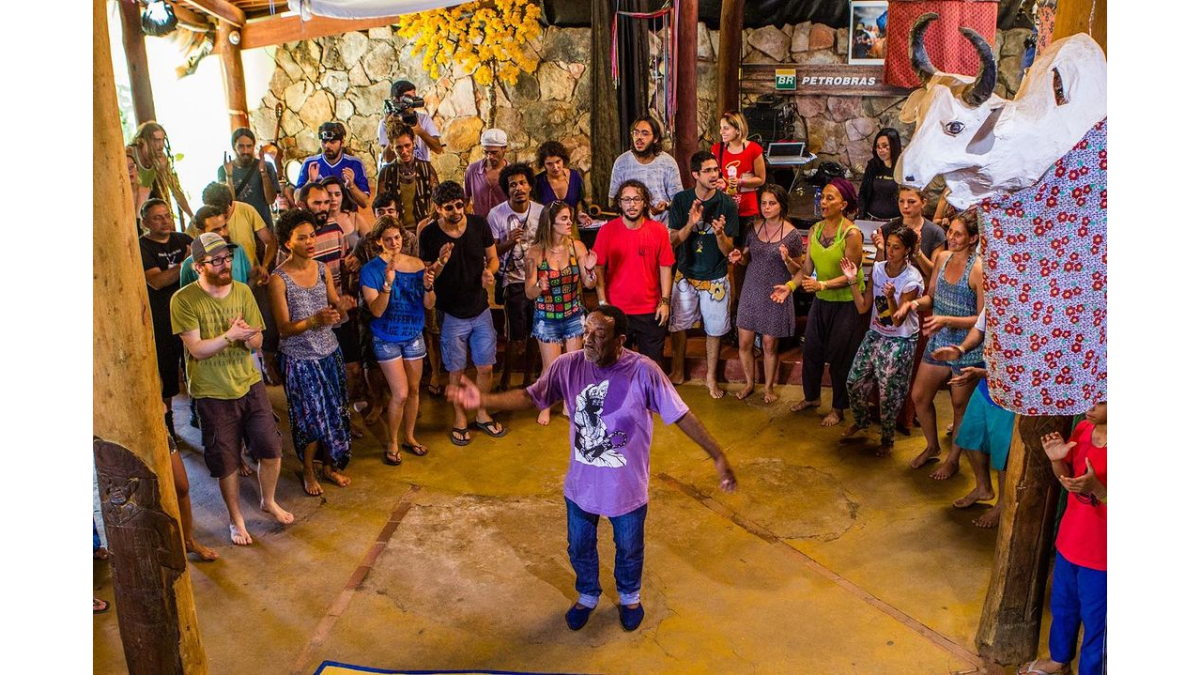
pixel 455 206
pixel 632 200
pixel 711 169
pixel 641 134
pixel 219 262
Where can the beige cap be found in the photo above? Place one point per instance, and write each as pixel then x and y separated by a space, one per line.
pixel 495 138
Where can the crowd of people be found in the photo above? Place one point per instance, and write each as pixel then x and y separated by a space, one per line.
pixel 352 295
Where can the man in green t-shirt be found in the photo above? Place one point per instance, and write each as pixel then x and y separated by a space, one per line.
pixel 219 323
pixel 703 223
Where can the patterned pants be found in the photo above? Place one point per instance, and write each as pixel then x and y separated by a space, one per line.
pixel 887 361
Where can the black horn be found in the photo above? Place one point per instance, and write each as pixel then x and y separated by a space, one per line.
pixel 916 47
pixel 985 81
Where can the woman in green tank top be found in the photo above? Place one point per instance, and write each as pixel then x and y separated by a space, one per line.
pixel 832 333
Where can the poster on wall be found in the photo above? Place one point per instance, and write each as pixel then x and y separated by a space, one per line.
pixel 868 32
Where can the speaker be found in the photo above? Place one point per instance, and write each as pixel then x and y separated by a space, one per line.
pixel 771 119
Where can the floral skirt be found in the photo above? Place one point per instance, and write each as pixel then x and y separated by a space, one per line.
pixel 318 407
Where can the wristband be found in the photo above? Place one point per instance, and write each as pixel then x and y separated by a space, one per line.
pixel 664 300
pixel 791 286
pixel 822 285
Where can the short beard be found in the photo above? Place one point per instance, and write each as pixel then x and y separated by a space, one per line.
pixel 643 154
pixel 245 160
pixel 332 156
pixel 321 218
pixel 218 278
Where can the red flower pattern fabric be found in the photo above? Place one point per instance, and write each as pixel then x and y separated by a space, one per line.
pixel 1045 272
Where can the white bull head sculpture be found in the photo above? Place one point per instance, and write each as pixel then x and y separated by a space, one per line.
pixel 985 145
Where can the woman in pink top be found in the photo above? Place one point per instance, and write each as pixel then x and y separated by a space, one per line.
pixel 741 161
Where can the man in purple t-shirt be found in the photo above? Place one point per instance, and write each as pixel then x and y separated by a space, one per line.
pixel 609 393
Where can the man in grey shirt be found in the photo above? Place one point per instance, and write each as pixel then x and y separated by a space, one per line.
pixel 646 162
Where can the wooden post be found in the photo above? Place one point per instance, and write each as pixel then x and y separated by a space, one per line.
pixel 1012 612
pixel 608 139
pixel 135 56
pixel 1082 16
pixel 127 409
pixel 729 55
pixel 685 64
pixel 235 80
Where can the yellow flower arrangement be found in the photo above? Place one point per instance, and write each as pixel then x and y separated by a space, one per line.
pixel 484 37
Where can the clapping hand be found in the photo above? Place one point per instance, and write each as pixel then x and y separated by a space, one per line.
pixel 444 253
pixel 240 330
pixel 718 226
pixel 967 376
pixel 950 353
pixel 889 289
pixel 933 324
pixel 327 316
pixel 780 294
pixel 735 256
pixel 584 220
pixel 589 260
pixel 351 264
pixel 347 302
pixel 314 173
pixel 877 241
pixel 430 275
pixel 850 270
pixel 1085 484
pixel 1055 448
pixel 348 177
pixel 696 213
pixel 659 206
pixel 810 285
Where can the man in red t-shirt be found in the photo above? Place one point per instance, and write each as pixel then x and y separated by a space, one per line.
pixel 1080 591
pixel 633 269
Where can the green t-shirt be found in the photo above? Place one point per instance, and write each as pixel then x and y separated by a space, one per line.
pixel 231 372
pixel 699 257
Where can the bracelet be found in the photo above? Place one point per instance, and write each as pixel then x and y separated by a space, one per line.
pixel 429 289
pixel 791 285
pixel 664 300
pixel 387 288
pixel 822 285
pixel 228 342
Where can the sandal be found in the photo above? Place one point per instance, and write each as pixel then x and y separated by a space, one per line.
pixel 392 458
pixel 461 438
pixel 99 606
pixel 489 427
pixel 435 389
pixel 415 448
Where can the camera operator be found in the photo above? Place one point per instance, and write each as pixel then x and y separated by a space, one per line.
pixel 404 104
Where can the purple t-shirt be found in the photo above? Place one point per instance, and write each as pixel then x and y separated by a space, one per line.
pixel 611 426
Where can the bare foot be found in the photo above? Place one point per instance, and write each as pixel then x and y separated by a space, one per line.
pixel 976 495
pixel 312 486
pixel 745 391
pixel 990 518
pixel 206 554
pixel 244 469
pixel 282 517
pixel 331 474
pixel 944 470
pixel 804 405
pixel 239 535
pixel 356 431
pixel 677 378
pixel 950 429
pixel 854 429
pixel 927 455
pixel 769 396
pixel 1047 666
pixel 884 450
pixel 834 418
pixel 544 417
pixel 715 391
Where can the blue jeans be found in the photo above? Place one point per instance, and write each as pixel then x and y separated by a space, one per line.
pixel 629 532
pixel 1079 595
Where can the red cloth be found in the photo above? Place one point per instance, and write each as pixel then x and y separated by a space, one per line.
pixel 631 259
pixel 949 51
pixel 743 163
pixel 1083 531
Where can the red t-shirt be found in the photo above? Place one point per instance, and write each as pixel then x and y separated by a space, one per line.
pixel 743 163
pixel 1083 531
pixel 631 259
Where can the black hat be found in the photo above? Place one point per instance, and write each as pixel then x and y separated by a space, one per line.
pixel 401 86
pixel 332 131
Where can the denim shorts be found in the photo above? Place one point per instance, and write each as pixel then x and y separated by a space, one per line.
pixel 477 332
pixel 411 350
pixel 557 330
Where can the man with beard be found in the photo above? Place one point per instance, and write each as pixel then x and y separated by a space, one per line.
pixel 163 250
pixel 333 161
pixel 251 180
pixel 646 162
pixel 210 219
pixel 633 269
pixel 219 324
pixel 703 223
pixel 609 393
pixel 481 180
pixel 463 245
pixel 410 177
pixel 514 224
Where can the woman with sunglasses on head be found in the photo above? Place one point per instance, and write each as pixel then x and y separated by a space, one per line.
pixel 773 253
pixel 555 266
pixel 307 306
pixel 955 297
pixel 832 332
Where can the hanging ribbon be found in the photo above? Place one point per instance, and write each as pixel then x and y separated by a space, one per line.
pixel 670 26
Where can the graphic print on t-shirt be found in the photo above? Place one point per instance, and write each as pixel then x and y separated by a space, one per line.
pixel 593 444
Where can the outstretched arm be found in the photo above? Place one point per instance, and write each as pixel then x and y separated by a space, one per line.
pixel 695 430
pixel 466 394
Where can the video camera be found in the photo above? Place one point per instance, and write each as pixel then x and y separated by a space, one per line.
pixel 405 106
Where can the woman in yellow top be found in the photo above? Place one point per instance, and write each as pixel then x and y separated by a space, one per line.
pixel 832 334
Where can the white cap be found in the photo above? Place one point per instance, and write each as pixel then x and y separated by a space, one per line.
pixel 495 138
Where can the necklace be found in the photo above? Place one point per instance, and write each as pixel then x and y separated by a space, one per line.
pixel 771 238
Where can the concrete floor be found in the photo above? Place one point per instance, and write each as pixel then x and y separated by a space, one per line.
pixel 827 559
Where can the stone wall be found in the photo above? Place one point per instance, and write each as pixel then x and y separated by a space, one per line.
pixel 348 77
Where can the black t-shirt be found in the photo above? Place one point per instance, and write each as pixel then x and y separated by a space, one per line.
pixel 164 256
pixel 252 191
pixel 459 288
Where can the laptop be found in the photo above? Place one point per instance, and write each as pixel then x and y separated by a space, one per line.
pixel 788 153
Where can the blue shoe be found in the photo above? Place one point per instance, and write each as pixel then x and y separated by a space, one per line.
pixel 577 616
pixel 632 617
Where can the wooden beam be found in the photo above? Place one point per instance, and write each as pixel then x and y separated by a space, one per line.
pixel 135 58
pixel 220 9
pixel 151 583
pixel 283 29
pixel 729 55
pixel 685 111
pixel 1012 611
pixel 235 79
pixel 189 18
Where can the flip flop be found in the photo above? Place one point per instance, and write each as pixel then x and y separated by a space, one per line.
pixel 99 606
pixel 462 432
pixel 415 448
pixel 489 428
pixel 392 459
pixel 1028 669
pixel 435 389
